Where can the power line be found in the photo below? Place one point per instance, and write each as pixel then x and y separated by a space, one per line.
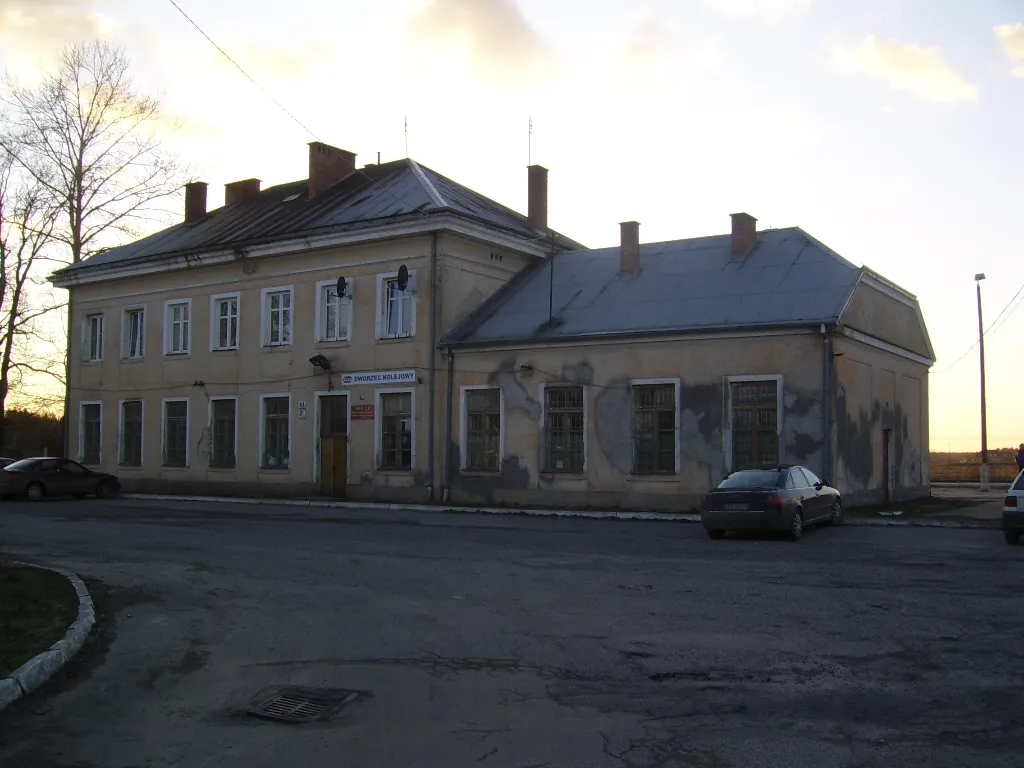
pixel 240 69
pixel 987 330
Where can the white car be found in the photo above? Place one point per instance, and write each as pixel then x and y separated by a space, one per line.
pixel 1013 511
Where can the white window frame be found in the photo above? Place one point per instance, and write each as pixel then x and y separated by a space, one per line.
pixel 378 415
pixel 263 424
pixel 464 427
pixel 81 432
pixel 209 420
pixel 544 469
pixel 120 433
pixel 168 333
pixel 322 287
pixel 677 383
pixel 265 318
pixel 163 433
pixel 779 380
pixel 382 307
pixel 87 346
pixel 126 332
pixel 215 301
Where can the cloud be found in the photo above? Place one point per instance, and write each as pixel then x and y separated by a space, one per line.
pixel 918 70
pixel 495 35
pixel 648 41
pixel 44 24
pixel 767 10
pixel 1012 38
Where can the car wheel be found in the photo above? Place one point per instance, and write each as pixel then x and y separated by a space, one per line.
pixel 837 512
pixel 35 492
pixel 796 526
pixel 715 533
pixel 106 490
pixel 1012 537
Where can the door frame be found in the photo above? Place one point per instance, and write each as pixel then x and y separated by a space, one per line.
pixel 317 409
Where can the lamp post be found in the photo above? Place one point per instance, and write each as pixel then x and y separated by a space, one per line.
pixel 984 474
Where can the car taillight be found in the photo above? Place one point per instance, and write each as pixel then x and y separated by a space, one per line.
pixel 773 500
pixel 1010 501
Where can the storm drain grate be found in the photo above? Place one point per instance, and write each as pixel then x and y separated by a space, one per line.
pixel 300 705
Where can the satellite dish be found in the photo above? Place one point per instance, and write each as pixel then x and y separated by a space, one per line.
pixel 403 277
pixel 340 287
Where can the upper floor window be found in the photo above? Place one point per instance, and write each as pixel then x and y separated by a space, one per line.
pixel 134 328
pixel 177 327
pixel 396 307
pixel 334 312
pixel 92 341
pixel 277 316
pixel 224 323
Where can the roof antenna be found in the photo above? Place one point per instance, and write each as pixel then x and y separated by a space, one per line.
pixel 378 158
pixel 407 138
pixel 529 144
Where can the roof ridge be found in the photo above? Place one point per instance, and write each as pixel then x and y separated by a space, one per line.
pixel 431 190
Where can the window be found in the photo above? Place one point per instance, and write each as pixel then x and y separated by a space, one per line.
pixel 175 433
pixel 396 430
pixel 755 439
pixel 131 434
pixel 483 429
pixel 812 479
pixel 224 321
pixel 134 328
pixel 93 337
pixel 563 429
pixel 397 309
pixel 176 327
pixel 654 429
pixel 223 432
pixel 276 454
pixel 334 312
pixel 277 317
pixel 91 435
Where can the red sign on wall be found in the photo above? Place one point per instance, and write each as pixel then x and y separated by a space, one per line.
pixel 362 412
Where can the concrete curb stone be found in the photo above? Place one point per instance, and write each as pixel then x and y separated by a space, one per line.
pixel 37 671
pixel 561 513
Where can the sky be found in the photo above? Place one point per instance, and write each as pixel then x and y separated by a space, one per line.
pixel 888 129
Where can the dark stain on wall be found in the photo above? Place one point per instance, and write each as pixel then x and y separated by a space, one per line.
pixel 581 373
pixel 853 434
pixel 705 402
pixel 516 395
pixel 483 486
pixel 802 446
pixel 802 404
pixel 613 412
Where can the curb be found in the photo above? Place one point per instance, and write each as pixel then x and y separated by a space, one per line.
pixel 560 513
pixel 33 674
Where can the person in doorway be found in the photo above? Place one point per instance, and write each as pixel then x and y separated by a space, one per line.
pixel 1020 458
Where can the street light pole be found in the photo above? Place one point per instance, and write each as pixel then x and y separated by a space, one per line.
pixel 984 474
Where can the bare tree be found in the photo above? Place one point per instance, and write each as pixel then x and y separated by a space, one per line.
pixel 92 145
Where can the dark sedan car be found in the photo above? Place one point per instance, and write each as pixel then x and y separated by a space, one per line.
pixel 781 499
pixel 36 478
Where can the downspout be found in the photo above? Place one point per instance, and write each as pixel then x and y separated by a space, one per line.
pixel 432 372
pixel 827 405
pixel 448 430
pixel 66 426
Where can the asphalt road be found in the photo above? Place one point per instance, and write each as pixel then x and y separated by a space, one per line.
pixel 475 640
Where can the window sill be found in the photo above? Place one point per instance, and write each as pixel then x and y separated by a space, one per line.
pixel 223 349
pixel 92 362
pixel 654 477
pixel 272 348
pixel 567 474
pixel 174 467
pixel 275 469
pixel 332 343
pixel 390 339
pixel 480 472
pixel 131 360
pixel 177 355
pixel 129 467
pixel 397 471
pixel 221 469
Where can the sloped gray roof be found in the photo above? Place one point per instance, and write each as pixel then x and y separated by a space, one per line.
pixel 378 194
pixel 788 278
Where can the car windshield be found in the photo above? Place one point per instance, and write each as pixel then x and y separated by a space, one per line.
pixel 752 478
pixel 23 464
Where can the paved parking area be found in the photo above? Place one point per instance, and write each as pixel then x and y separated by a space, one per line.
pixel 524 641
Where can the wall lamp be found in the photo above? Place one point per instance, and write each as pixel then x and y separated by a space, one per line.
pixel 320 361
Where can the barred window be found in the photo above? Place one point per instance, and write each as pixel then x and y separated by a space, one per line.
pixel 483 429
pixel 396 430
pixel 223 434
pixel 131 433
pixel 755 439
pixel 563 429
pixel 276 453
pixel 92 415
pixel 654 429
pixel 176 433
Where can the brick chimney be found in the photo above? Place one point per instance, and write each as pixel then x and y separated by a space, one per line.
pixel 629 250
pixel 240 190
pixel 195 201
pixel 744 234
pixel 327 165
pixel 537 203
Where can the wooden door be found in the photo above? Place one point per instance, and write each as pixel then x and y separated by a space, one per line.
pixel 333 445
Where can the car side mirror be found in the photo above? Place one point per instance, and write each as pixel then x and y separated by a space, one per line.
pixel 819 485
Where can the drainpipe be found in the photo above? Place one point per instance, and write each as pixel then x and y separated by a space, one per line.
pixel 448 430
pixel 432 374
pixel 827 404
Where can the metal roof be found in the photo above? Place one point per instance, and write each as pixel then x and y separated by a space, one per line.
pixel 379 194
pixel 788 278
